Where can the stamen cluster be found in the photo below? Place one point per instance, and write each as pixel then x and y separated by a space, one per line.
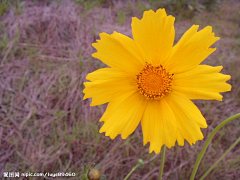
pixel 154 82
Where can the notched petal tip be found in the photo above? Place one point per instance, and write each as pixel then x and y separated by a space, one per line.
pixel 228 77
pixel 95 54
pixel 150 12
pixel 88 77
pixel 103 35
pixel 161 10
pixel 108 132
pixel 157 152
pixel 205 125
pixel 219 68
pixel 230 87
pixel 181 144
pixel 195 26
pixel 208 28
pixel 103 128
pixel 124 136
pixel 155 148
pixel 210 50
pixel 94 44
pixel 115 32
pixel 172 18
pixel 134 20
pixel 144 143
pixel 151 149
pixel 101 131
pixel 220 97
pixel 85 92
pixel 147 13
pixel 208 36
pixel 169 146
pixel 102 119
pixel 92 104
pixel 85 97
pixel 180 140
pixel 112 136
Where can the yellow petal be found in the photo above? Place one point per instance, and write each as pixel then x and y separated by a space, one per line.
pixel 108 73
pixel 119 51
pixel 107 82
pixel 200 69
pixel 202 82
pixel 191 49
pixel 123 114
pixel 155 35
pixel 159 125
pixel 188 118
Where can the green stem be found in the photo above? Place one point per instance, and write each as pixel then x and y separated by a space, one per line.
pixel 133 169
pixel 162 162
pixel 209 170
pixel 208 141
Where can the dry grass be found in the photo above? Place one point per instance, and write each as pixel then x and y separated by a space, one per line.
pixel 45 126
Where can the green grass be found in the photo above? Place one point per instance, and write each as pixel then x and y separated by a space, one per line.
pixel 3 6
pixel 121 17
pixel 46 126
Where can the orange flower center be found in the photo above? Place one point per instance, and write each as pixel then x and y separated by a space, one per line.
pixel 154 82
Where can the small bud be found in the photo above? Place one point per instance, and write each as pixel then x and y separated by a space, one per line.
pixel 94 174
pixel 140 162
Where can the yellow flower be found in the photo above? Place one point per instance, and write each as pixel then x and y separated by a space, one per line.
pixel 151 81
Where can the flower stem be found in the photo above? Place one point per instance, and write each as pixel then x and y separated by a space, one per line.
pixel 208 141
pixel 133 169
pixel 162 162
pixel 209 170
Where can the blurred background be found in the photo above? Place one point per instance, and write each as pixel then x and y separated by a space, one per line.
pixel 45 55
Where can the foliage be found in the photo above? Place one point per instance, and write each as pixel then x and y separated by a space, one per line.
pixel 121 17
pixel 186 8
pixel 4 4
pixel 45 126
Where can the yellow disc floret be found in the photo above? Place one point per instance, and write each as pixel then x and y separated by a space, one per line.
pixel 154 82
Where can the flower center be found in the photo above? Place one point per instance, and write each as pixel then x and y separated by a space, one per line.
pixel 154 82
